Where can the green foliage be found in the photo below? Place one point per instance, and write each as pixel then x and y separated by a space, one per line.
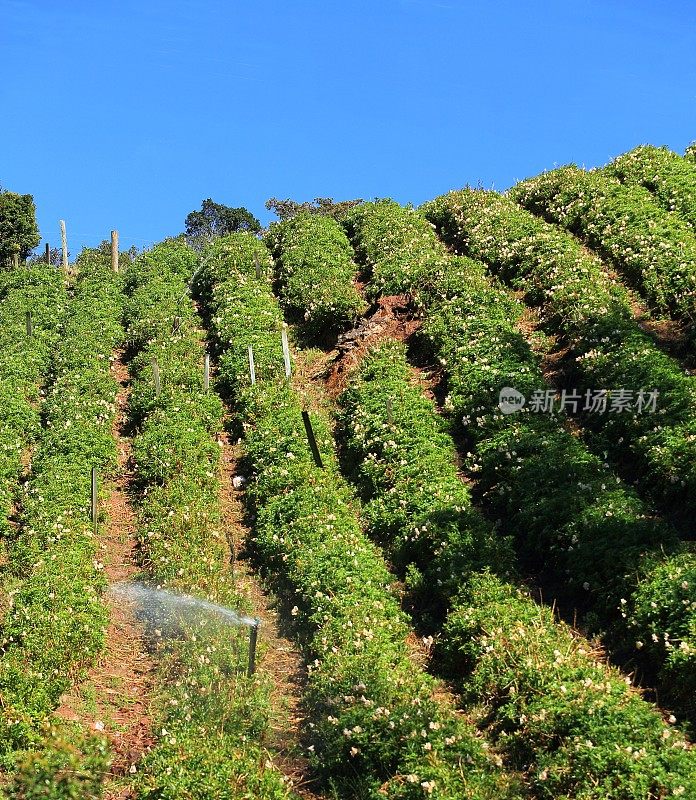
pixel 19 233
pixel 325 206
pixel 211 720
pixel 404 464
pixel 588 531
pixel 396 247
pixel 215 219
pixel 670 178
pixel 593 314
pixel 575 724
pixel 68 766
pixel 496 637
pixel 24 363
pixel 376 729
pixel 56 623
pixel 315 272
pixel 655 251
pixel 690 152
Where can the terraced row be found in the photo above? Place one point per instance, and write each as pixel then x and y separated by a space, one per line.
pixel 212 720
pixel 568 513
pixel 56 623
pixel 376 730
pixel 607 348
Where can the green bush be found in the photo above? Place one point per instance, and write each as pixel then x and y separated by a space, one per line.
pixel 607 348
pixel 654 251
pixel 375 728
pixel 670 178
pixel 315 272
pixel 571 517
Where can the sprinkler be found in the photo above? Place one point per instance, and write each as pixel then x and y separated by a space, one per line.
pixel 253 635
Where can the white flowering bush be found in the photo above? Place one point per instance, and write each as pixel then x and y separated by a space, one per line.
pixel 572 518
pixel 396 248
pixel 670 177
pixel 607 347
pixel 315 273
pixel 576 725
pixel 375 728
pixel 211 719
pixel 56 623
pixel 403 462
pixel 24 361
pixel 654 251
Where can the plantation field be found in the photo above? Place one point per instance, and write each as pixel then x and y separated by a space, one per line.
pixel 390 502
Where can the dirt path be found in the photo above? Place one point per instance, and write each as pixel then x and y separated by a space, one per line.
pixel 114 696
pixel 279 658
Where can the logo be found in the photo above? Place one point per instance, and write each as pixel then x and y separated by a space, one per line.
pixel 510 400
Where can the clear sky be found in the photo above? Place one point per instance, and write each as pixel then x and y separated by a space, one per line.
pixel 127 115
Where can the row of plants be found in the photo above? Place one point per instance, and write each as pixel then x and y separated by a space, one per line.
pixel 568 711
pixel 396 259
pixel 594 539
pixel 55 626
pixel 375 728
pixel 25 352
pixel 210 718
pixel 315 272
pixel 607 349
pixel 670 177
pixel 653 250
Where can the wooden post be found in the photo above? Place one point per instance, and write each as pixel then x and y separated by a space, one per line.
pixel 257 264
pixel 30 324
pixel 252 368
pixel 156 377
pixel 94 501
pixel 206 373
pixel 311 439
pixel 286 350
pixel 16 260
pixel 114 251
pixel 48 253
pixel 64 242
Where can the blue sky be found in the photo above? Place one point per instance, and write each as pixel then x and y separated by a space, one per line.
pixel 127 115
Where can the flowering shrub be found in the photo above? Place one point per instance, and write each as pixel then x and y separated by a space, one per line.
pixel 315 272
pixel 575 724
pixel 24 361
pixel 670 178
pixel 584 305
pixel 654 250
pixel 235 303
pixel 396 247
pixel 404 464
pixel 212 720
pixel 375 728
pixel 495 636
pixel 571 516
pixel 56 622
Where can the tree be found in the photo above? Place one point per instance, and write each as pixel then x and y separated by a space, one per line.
pixel 326 206
pixel 19 233
pixel 215 219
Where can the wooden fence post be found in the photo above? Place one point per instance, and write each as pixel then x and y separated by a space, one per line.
pixel 114 251
pixel 64 242
pixel 48 253
pixel 286 350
